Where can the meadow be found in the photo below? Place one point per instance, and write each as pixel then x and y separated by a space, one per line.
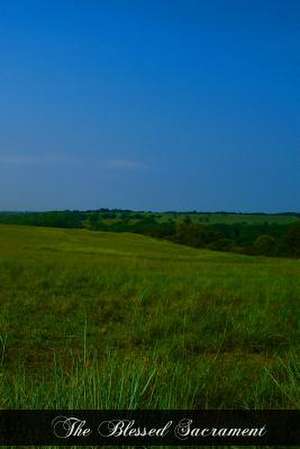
pixel 108 320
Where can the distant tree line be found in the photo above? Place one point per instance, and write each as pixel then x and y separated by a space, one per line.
pixel 269 239
pixel 252 239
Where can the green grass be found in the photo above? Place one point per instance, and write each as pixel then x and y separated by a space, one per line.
pixel 104 320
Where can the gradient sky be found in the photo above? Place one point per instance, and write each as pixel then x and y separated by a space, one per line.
pixel 160 104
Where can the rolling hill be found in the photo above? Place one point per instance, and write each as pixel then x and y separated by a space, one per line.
pixel 105 320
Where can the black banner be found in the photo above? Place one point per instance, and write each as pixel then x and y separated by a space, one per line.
pixel 149 427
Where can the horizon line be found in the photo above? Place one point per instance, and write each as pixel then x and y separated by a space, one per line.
pixel 194 211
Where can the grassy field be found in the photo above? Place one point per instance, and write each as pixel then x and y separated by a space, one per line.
pixel 104 320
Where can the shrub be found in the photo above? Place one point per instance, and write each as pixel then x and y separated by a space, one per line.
pixel 265 245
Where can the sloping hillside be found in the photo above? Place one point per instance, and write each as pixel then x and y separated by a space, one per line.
pixel 135 321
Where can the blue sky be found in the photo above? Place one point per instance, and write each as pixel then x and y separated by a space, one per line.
pixel 156 105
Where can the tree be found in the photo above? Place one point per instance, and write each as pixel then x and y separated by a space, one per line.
pixel 222 244
pixel 292 240
pixel 265 245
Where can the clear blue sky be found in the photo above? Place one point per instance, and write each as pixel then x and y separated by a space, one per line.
pixel 150 104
